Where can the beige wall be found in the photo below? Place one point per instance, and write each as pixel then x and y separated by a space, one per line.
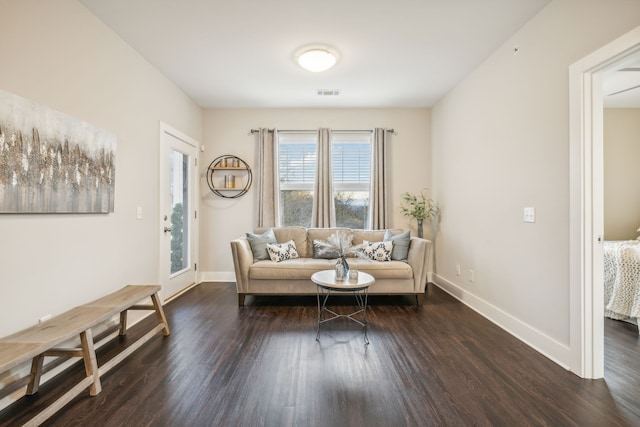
pixel 621 173
pixel 501 143
pixel 59 55
pixel 226 131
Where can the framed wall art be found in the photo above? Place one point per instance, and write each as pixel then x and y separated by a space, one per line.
pixel 53 163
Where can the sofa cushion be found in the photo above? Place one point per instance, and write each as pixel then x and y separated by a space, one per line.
pixel 282 251
pixel 378 251
pixel 297 234
pixel 293 269
pixel 360 236
pixel 401 243
pixel 303 268
pixel 259 243
pixel 320 234
pixel 382 270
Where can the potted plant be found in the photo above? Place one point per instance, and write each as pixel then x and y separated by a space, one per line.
pixel 419 207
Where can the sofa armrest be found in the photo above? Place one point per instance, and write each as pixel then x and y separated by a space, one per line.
pixel 418 259
pixel 242 260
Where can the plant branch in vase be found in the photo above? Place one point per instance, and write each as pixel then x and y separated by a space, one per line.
pixel 341 243
pixel 420 207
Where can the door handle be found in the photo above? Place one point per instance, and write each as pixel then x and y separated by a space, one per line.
pixel 167 229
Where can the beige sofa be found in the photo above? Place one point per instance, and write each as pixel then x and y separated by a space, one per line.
pixel 293 277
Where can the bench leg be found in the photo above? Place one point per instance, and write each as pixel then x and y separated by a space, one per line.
pixel 123 323
pixel 36 373
pixel 90 361
pixel 160 313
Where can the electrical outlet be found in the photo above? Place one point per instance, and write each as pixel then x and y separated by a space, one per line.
pixel 457 269
pixel 471 276
pixel 139 212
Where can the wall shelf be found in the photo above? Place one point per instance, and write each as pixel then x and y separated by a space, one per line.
pixel 229 186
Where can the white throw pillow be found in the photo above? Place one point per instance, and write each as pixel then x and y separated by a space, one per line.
pixel 378 251
pixel 282 251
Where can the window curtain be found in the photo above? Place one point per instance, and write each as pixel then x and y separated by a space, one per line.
pixel 267 194
pixel 323 213
pixel 378 218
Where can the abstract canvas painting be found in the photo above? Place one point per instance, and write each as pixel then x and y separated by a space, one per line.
pixel 53 163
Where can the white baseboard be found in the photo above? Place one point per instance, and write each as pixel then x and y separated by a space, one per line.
pixel 547 346
pixel 217 276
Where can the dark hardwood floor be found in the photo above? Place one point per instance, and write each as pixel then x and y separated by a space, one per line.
pixel 441 364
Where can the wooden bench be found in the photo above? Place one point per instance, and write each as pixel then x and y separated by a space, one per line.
pixel 42 340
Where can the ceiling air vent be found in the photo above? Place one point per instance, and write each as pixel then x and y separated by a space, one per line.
pixel 328 92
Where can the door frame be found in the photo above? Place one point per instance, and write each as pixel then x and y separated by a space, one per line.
pixel 194 198
pixel 586 205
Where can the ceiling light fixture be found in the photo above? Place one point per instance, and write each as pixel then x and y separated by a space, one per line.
pixel 317 59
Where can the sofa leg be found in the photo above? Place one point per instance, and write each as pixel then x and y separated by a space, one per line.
pixel 241 300
pixel 419 299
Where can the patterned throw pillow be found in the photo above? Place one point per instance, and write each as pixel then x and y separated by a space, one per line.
pixel 378 251
pixel 282 251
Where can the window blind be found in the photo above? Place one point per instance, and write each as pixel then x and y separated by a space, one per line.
pixel 296 163
pixel 351 162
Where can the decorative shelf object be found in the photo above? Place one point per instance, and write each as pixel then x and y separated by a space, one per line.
pixel 229 185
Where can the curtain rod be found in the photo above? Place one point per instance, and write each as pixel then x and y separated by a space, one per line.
pixel 334 130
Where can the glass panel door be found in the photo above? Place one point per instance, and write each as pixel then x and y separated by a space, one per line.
pixel 179 199
pixel 178 212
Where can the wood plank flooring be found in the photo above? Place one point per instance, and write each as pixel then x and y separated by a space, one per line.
pixel 441 364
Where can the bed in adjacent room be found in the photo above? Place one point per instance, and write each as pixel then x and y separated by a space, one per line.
pixel 622 280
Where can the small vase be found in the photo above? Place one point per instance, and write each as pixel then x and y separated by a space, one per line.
pixel 420 228
pixel 343 260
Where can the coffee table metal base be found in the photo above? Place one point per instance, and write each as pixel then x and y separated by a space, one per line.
pixel 361 296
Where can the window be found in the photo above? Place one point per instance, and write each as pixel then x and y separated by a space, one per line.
pixel 351 165
pixel 296 177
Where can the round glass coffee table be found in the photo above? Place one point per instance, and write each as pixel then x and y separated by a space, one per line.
pixel 327 284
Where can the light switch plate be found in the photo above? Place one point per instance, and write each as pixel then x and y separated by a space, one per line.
pixel 139 212
pixel 529 215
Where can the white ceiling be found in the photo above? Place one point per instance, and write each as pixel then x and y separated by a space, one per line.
pixel 239 54
pixel 621 85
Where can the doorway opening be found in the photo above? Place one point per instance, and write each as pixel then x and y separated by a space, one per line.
pixel 587 202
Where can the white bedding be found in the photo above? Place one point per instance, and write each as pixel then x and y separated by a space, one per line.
pixel 622 279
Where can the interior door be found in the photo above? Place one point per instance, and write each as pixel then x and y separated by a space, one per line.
pixel 178 211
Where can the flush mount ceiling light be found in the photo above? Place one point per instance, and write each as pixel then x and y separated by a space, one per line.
pixel 316 58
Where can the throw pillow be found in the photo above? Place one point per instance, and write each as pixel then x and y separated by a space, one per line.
pixel 400 244
pixel 282 251
pixel 323 250
pixel 259 243
pixel 378 251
